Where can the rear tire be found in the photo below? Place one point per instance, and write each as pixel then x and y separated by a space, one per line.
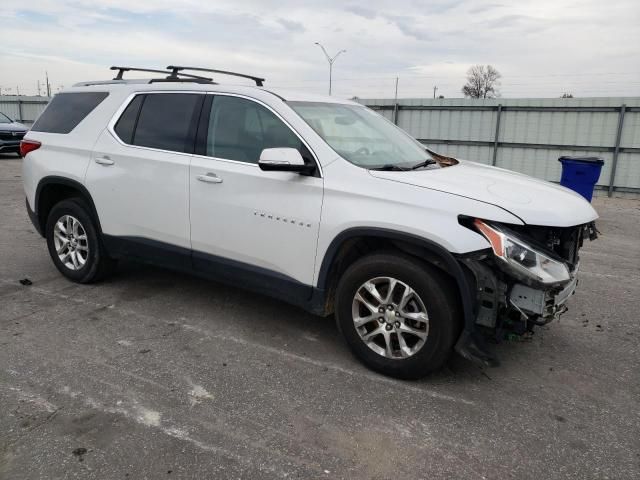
pixel 74 243
pixel 408 332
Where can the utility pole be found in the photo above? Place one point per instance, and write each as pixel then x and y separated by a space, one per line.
pixel 395 104
pixel 330 60
pixel 48 84
pixel 434 91
pixel 39 94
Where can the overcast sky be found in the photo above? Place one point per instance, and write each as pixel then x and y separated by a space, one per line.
pixel 542 47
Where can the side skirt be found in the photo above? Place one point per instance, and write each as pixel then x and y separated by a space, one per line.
pixel 212 267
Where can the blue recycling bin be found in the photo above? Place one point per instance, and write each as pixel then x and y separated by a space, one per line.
pixel 581 174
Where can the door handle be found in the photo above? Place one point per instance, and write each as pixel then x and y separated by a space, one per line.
pixel 104 160
pixel 209 178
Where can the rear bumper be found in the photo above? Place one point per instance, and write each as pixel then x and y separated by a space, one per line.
pixel 34 218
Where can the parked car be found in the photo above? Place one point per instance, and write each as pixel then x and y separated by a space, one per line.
pixel 315 200
pixel 11 133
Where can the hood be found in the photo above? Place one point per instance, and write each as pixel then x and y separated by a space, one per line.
pixel 535 202
pixel 13 127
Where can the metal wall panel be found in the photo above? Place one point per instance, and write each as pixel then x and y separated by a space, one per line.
pixel 9 109
pixel 23 108
pixel 544 164
pixel 631 130
pixel 628 171
pixel 533 132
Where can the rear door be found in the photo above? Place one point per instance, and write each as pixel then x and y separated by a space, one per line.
pixel 139 173
pixel 256 228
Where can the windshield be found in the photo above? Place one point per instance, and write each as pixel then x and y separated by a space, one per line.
pixel 4 118
pixel 361 136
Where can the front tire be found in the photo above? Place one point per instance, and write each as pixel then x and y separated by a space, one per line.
pixel 399 315
pixel 74 242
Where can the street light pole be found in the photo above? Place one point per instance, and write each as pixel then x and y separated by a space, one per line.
pixel 330 60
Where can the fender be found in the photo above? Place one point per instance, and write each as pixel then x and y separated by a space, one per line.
pixel 469 345
pixel 67 182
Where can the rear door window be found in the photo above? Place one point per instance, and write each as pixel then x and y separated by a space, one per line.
pixel 67 110
pixel 167 121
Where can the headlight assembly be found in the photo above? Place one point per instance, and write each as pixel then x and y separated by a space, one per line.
pixel 521 257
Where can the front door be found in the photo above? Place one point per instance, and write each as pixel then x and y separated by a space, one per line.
pixel 254 228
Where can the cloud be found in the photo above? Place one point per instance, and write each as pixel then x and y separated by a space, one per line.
pixel 510 21
pixel 541 48
pixel 441 6
pixel 486 7
pixel 291 25
pixel 410 27
pixel 361 11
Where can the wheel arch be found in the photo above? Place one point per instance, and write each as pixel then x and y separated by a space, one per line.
pixel 347 246
pixel 53 189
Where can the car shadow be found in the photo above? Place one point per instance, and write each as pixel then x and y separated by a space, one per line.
pixel 258 316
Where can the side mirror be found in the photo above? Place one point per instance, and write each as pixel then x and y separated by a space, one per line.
pixel 284 160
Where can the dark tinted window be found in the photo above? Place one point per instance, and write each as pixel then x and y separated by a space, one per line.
pixel 240 129
pixel 67 110
pixel 127 122
pixel 167 121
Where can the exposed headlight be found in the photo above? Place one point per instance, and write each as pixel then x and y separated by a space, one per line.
pixel 521 257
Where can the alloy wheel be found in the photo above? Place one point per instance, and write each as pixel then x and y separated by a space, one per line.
pixel 71 243
pixel 390 317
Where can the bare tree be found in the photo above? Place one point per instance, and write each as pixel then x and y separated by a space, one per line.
pixel 482 82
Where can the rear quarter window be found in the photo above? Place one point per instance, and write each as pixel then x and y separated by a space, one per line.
pixel 67 110
pixel 127 122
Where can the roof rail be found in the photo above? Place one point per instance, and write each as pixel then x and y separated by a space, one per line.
pixel 176 71
pixel 171 76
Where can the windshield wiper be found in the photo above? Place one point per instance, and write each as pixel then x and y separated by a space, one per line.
pixel 389 168
pixel 426 163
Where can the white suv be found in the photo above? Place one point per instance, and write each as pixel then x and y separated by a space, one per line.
pixel 311 199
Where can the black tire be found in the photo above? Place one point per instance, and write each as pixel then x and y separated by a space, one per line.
pixel 436 290
pixel 98 263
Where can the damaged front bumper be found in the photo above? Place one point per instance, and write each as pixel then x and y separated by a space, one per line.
pixel 545 304
pixel 503 301
pixel 504 306
pixel 508 302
